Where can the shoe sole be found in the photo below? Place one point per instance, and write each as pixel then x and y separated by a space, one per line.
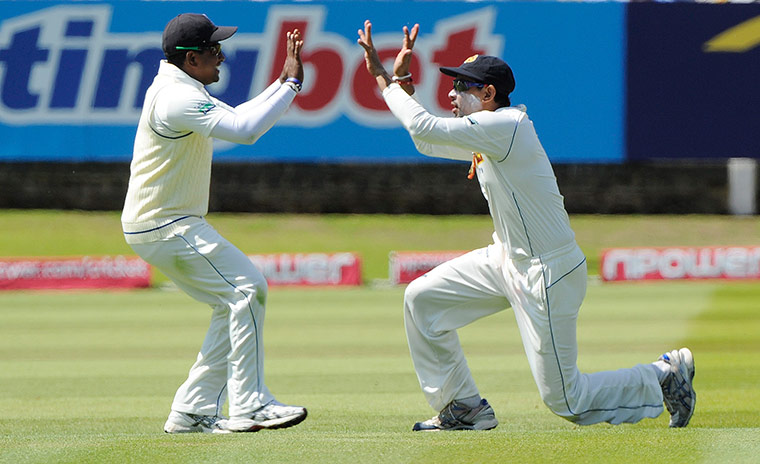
pixel 179 422
pixel 183 429
pixel 173 428
pixel 288 422
pixel 486 425
pixel 687 360
pixel 279 423
pixel 482 425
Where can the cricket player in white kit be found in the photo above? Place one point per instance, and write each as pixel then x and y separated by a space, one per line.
pixel 534 264
pixel 163 221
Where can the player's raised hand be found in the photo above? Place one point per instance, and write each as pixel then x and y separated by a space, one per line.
pixel 293 66
pixel 374 65
pixel 404 57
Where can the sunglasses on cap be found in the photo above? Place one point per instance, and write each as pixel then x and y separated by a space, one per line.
pixel 215 49
pixel 463 86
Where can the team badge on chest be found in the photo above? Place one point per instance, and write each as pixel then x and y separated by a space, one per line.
pixel 477 158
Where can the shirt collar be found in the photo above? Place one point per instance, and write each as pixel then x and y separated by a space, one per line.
pixel 169 70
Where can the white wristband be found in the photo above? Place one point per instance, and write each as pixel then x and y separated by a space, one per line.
pixel 402 79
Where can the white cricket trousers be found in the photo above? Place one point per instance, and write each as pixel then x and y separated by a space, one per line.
pixel 212 270
pixel 545 293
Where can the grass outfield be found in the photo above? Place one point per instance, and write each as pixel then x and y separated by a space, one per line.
pixel 89 376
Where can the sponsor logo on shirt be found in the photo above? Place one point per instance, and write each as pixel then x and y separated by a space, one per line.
pixel 205 107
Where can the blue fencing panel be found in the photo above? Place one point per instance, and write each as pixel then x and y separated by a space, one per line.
pixel 693 81
pixel 73 75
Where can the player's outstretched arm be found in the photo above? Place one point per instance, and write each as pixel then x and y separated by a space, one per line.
pixel 252 119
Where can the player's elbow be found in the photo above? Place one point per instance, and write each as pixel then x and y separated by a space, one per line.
pixel 422 128
pixel 418 131
pixel 239 140
pixel 414 131
pixel 248 139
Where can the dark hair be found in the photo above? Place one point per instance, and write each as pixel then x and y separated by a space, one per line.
pixel 502 100
pixel 177 59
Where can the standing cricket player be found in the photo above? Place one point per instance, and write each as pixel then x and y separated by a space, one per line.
pixel 534 264
pixel 163 221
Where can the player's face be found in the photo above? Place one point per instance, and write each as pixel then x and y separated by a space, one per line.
pixel 465 98
pixel 207 64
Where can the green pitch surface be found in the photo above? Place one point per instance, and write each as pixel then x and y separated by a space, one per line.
pixel 89 377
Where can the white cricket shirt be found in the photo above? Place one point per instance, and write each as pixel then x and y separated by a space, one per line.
pixel 170 173
pixel 514 172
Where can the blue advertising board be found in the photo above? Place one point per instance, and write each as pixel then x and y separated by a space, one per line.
pixel 73 74
pixel 693 87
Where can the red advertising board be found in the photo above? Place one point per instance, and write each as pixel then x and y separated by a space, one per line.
pixel 734 262
pixel 405 266
pixel 74 273
pixel 310 268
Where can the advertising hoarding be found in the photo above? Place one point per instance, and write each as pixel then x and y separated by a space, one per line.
pixel 83 272
pixel 308 269
pixel 73 75
pixel 604 82
pixel 691 263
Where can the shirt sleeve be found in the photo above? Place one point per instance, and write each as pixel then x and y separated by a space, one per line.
pixel 260 98
pixel 247 122
pixel 486 132
pixel 179 110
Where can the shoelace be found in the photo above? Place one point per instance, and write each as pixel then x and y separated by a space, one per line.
pixel 207 421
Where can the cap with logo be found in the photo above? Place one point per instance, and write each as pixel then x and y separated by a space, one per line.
pixel 192 31
pixel 485 69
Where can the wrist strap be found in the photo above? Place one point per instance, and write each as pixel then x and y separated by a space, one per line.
pixel 296 83
pixel 402 79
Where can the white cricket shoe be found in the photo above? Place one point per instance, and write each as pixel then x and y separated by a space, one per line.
pixel 273 415
pixel 457 416
pixel 183 422
pixel 677 389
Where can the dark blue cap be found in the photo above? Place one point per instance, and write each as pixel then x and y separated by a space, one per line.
pixel 485 69
pixel 192 30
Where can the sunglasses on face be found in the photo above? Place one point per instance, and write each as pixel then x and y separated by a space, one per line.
pixel 463 86
pixel 215 49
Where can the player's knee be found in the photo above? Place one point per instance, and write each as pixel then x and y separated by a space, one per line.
pixel 420 308
pixel 417 291
pixel 560 404
pixel 560 409
pixel 416 297
pixel 250 295
pixel 262 291
pixel 262 288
